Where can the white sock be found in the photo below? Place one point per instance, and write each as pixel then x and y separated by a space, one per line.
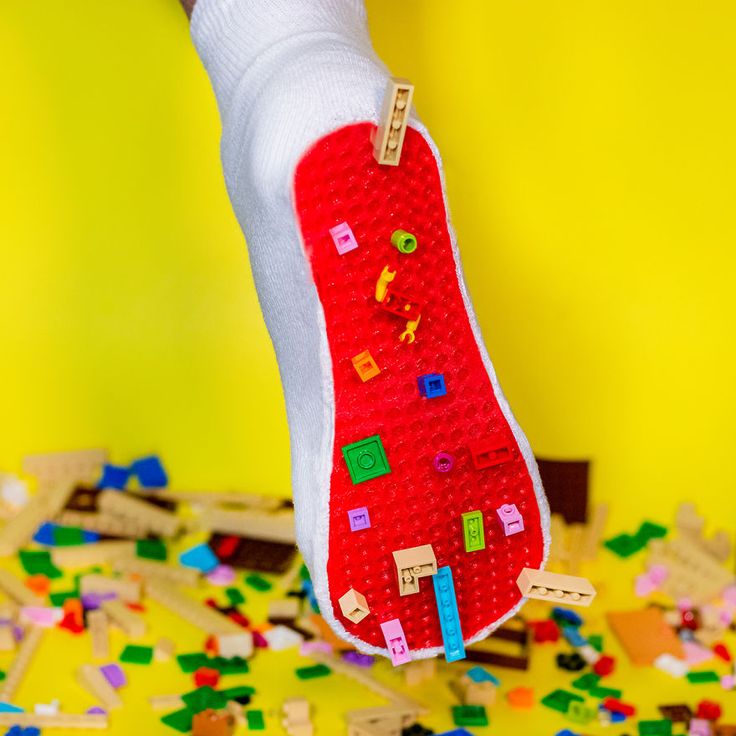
pixel 286 73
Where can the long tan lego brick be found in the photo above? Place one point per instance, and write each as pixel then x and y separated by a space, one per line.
pixel 229 498
pixel 555 588
pixel 389 137
pixel 79 466
pixel 274 527
pixel 165 702
pixel 59 720
pixel 131 623
pixel 575 538
pixel 20 665
pixel 44 506
pixel 407 716
pixel 358 674
pixel 197 614
pixel 99 631
pixel 125 589
pixel 115 526
pixel 144 514
pixel 14 589
pixel 156 570
pixel 95 683
pixel 86 555
pixel 594 530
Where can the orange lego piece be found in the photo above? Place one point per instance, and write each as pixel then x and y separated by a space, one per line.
pixel 211 723
pixel 644 635
pixel 366 366
pixel 39 584
pixel 521 697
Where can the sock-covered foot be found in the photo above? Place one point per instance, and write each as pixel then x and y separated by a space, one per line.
pixel 400 435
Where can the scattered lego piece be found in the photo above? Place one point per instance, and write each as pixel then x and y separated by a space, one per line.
pixel 469 715
pixel 443 462
pixel 359 519
pixel 114 476
pixel 671 665
pixel 513 631
pixel 211 723
pixel 180 720
pixel 545 631
pixel 38 562
pixel 297 720
pixel 282 637
pixel 255 720
pixel 655 728
pixel 566 487
pixel 677 713
pixel 548 586
pixel 127 590
pixel 365 366
pixel 309 673
pixel 398 649
pixel 155 570
pixel 366 459
pixel 200 557
pixel 135 654
pixel 150 472
pixel 521 697
pixel 432 385
pixel 95 682
pixel 644 635
pixel 16 591
pixel 59 720
pixel 235 645
pixel 452 635
pixel 271 526
pixel 343 238
pixel 388 137
pixel 419 671
pixel 206 676
pixel 21 663
pixel 604 665
pixel 701 677
pixel 403 241
pixel 119 614
pixel 477 687
pixel 258 583
pixel 40 616
pixel 354 606
pixel 412 564
pixel 510 518
pixel 473 531
pixel 560 700
pixel 114 675
pixel 140 512
pixel 489 453
pixel 151 549
pixel 78 466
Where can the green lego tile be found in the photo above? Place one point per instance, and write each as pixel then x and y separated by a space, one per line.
pixel 239 691
pixel 580 713
pixel 38 562
pixel 560 700
pixel 229 666
pixel 2 675
pixel 469 715
pixel 57 599
pixel 135 654
pixel 234 596
pixel 258 582
pixel 192 662
pixel 366 459
pixel 655 728
pixel 596 641
pixel 605 692
pixel 255 719
pixel 473 531
pixel 624 545
pixel 309 673
pixel 151 549
pixel 65 536
pixel 586 681
pixel 698 678
pixel 180 720
pixel 203 698
pixel 649 530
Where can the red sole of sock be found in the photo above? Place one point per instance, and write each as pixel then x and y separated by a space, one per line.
pixel 337 181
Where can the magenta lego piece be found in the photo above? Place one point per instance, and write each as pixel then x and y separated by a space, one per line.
pixel 222 575
pixel 359 519
pixel 398 649
pixel 114 675
pixel 343 238
pixel 512 521
pixel 259 641
pixel 443 462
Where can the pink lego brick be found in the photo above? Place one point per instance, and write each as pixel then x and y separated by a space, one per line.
pixel 512 520
pixel 396 642
pixel 343 238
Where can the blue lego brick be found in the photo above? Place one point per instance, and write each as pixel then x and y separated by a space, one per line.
pixel 200 557
pixel 566 615
pixel 456 732
pixel 114 476
pixel 432 385
pixel 452 635
pixel 150 472
pixel 573 636
pixel 45 534
pixel 479 674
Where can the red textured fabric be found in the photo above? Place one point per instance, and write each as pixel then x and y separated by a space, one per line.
pixel 337 181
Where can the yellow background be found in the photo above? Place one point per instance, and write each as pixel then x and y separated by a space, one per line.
pixel 590 156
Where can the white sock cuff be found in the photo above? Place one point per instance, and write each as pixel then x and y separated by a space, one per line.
pixel 231 34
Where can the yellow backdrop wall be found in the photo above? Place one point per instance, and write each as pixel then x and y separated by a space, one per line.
pixel 590 157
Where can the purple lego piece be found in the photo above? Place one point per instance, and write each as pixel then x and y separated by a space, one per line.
pixel 114 675
pixel 92 601
pixel 362 660
pixel 95 710
pixel 359 519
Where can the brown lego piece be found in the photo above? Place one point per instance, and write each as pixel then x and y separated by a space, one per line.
pixel 677 713
pixel 412 564
pixel 644 635
pixel 552 587
pixel 213 723
pixel 566 486
pixel 724 729
pixel 252 554
pixel 388 138
pixel 489 652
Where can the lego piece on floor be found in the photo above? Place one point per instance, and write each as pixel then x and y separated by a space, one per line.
pixel 21 663
pixel 560 700
pixel 114 674
pixel 655 728
pixel 95 683
pixel 473 532
pixel 77 466
pixel 296 717
pixel 235 645
pixel 38 562
pixel 114 476
pixel 213 723
pixel 469 715
pixel 452 635
pixel 258 583
pixel 16 591
pixel 150 472
pixel 309 673
pixel 553 587
pixel 255 720
pixel 126 589
pixel 206 676
pixel 521 697
pixel 644 635
pixel 343 238
pixel 59 720
pixel 119 614
pixel 155 570
pixel 366 459
pixel 477 687
pixel 135 654
pixel 701 677
pixel 388 137
pixel 365 366
pixel 180 720
pixel 151 549
pixel 486 651
pixel 419 671
pixel 253 554
pixel 138 511
pixel 200 557
pixel 354 606
pixel 97 623
pixel 412 564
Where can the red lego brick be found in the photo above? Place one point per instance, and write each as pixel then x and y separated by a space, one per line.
pixel 616 706
pixel 547 630
pixel 206 676
pixel 401 304
pixel 709 710
pixel 604 666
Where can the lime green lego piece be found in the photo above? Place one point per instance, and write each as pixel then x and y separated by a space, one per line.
pixel 473 531
pixel 403 241
pixel 366 459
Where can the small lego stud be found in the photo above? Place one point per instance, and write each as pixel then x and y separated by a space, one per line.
pixel 414 563
pixel 512 520
pixel 366 459
pixel 452 635
pixel 473 531
pixel 443 462
pixel 403 241
pixel 398 649
pixel 354 606
pixel 343 238
pixel 359 519
pixel 432 385
pixel 388 138
pixel 487 453
pixel 386 277
pixel 365 366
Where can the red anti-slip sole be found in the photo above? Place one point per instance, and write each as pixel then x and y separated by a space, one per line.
pixel 338 181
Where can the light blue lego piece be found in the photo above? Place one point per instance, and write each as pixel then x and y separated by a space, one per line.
pixel 200 557
pixel 452 635
pixel 479 674
pixel 8 708
pixel 573 636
